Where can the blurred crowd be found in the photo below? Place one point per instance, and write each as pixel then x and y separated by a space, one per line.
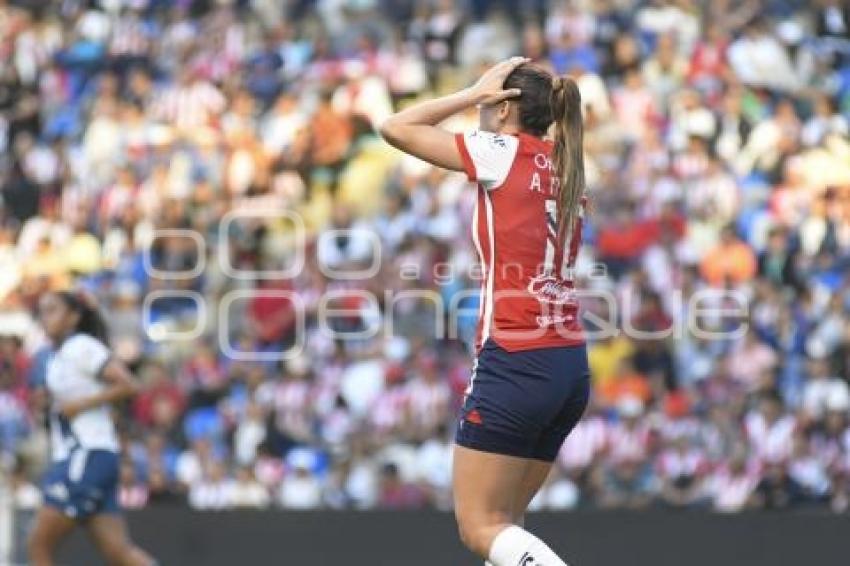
pixel 210 170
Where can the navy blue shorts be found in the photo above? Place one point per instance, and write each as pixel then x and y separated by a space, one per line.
pixel 525 403
pixel 85 484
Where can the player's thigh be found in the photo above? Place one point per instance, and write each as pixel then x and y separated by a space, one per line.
pixel 51 527
pixel 485 486
pixel 549 443
pixel 535 476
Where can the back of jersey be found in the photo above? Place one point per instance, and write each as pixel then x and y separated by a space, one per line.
pixel 73 372
pixel 528 298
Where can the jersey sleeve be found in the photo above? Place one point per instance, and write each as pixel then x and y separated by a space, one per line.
pixel 88 354
pixel 487 157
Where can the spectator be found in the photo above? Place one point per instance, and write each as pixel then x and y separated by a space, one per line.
pixel 213 491
pixel 750 361
pixel 132 494
pixel 824 391
pixel 777 489
pixel 681 469
pixel 162 402
pixel 395 493
pixel 300 488
pixel 635 106
pixel 626 383
pixel 769 431
pixel 162 491
pixel 731 261
pixel 248 492
pixel 629 485
pixel 732 485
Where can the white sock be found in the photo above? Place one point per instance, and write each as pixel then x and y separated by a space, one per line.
pixel 517 547
pixel 521 523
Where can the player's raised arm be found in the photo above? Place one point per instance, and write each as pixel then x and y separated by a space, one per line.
pixel 416 130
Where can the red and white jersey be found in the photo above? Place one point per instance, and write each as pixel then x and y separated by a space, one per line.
pixel 628 443
pixel 527 289
pixel 390 409
pixel 673 464
pixel 771 442
pixel 428 402
pixel 586 441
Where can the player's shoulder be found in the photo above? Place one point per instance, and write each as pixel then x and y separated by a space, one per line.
pixel 494 141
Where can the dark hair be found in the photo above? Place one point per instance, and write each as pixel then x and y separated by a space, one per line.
pixel 91 322
pixel 546 99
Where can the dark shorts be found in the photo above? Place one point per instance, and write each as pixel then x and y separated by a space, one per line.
pixel 85 484
pixel 525 403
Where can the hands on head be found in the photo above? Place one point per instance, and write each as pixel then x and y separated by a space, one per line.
pixel 490 89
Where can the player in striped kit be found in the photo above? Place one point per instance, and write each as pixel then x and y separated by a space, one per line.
pixel 81 484
pixel 530 381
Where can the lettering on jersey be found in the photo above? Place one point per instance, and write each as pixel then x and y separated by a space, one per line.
pixel 542 162
pixel 550 289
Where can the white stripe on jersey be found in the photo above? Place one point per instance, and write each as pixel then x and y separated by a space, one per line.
pixel 77 465
pixel 477 242
pixel 471 383
pixel 566 268
pixel 488 294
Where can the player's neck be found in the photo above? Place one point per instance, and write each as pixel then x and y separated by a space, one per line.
pixel 510 130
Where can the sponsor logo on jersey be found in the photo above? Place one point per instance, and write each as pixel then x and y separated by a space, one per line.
pixel 550 289
pixel 552 320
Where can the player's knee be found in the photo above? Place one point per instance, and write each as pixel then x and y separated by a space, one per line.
pixel 477 531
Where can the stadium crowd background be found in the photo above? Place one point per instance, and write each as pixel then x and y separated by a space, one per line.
pixel 718 158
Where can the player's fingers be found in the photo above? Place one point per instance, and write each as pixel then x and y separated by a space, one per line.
pixel 515 62
pixel 508 65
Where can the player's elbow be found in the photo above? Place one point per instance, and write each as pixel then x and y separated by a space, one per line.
pixel 392 130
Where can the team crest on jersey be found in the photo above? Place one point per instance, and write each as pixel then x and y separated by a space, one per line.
pixel 550 289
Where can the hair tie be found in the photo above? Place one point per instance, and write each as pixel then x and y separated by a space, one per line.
pixel 557 84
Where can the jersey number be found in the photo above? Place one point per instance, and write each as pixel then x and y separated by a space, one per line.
pixel 551 236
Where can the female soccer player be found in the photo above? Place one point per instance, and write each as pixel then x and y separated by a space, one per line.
pixel 80 486
pixel 530 378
